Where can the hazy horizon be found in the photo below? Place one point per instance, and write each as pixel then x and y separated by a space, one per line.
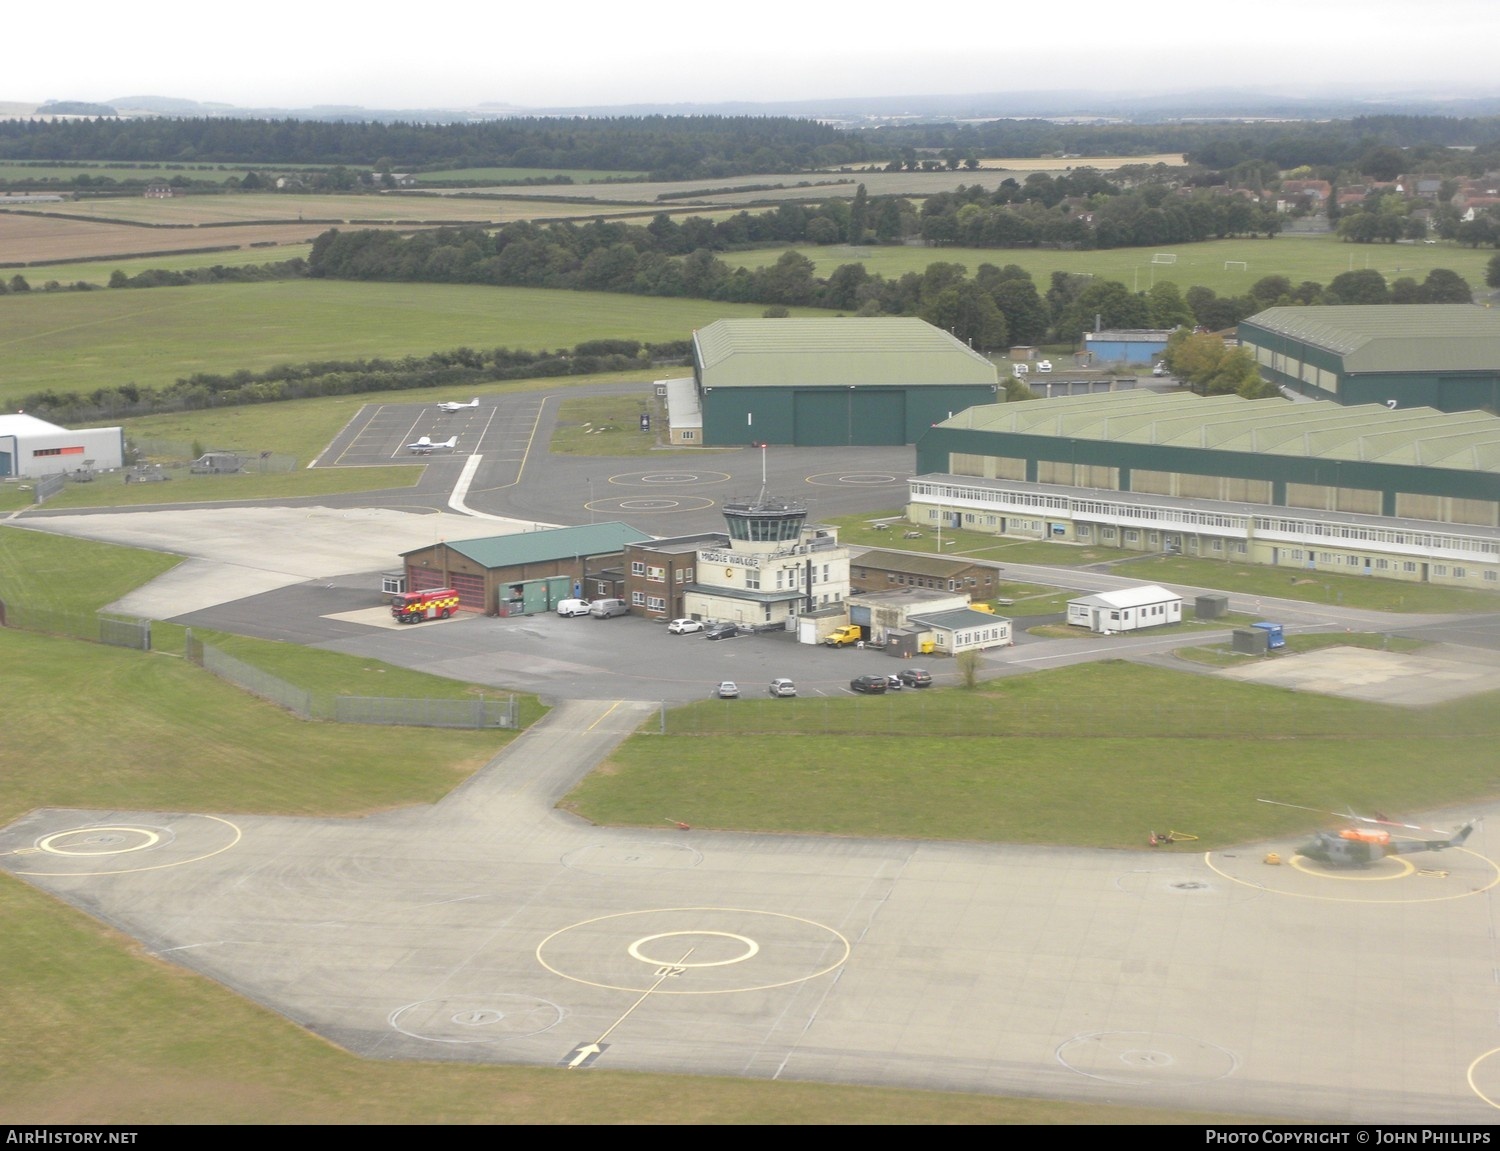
pixel 290 56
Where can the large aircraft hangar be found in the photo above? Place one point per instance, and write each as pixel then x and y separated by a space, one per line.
pixel 832 382
pixel 1444 356
pixel 1407 493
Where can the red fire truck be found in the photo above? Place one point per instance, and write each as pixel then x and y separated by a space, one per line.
pixel 433 603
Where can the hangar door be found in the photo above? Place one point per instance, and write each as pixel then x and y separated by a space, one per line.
pixel 849 416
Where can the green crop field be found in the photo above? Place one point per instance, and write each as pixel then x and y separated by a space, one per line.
pixel 1299 258
pixel 99 271
pixel 519 175
pixel 79 341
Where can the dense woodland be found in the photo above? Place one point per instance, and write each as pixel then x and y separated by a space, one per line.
pixel 695 147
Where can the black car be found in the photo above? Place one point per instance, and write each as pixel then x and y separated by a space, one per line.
pixel 915 677
pixel 721 631
pixel 868 684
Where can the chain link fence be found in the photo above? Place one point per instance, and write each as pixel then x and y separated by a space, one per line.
pixel 97 627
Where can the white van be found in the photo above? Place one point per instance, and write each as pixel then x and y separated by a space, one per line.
pixel 608 608
pixel 572 607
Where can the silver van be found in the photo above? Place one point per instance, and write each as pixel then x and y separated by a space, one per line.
pixel 608 608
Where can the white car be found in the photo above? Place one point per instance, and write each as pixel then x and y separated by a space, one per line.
pixel 727 690
pixel 1044 366
pixel 572 607
pixel 683 626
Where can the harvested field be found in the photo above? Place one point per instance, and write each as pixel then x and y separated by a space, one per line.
pixel 253 208
pixel 745 190
pixel 51 239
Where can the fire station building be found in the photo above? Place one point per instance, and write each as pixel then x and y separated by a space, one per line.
pixel 522 573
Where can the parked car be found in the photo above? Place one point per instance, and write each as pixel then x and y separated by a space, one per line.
pixel 1160 369
pixel 844 636
pixel 608 608
pixel 893 682
pixel 868 684
pixel 683 626
pixel 721 631
pixel 783 688
pixel 915 677
pixel 572 607
pixel 728 690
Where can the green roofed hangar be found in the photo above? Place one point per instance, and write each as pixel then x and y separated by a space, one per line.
pixel 1443 356
pixel 825 382
pixel 1409 494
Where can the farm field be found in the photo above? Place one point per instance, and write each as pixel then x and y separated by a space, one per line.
pixel 518 176
pixel 267 207
pixel 98 271
pixel 16 170
pixel 769 187
pixel 79 341
pixel 31 240
pixel 1299 258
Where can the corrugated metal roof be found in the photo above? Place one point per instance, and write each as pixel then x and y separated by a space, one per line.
pixel 856 350
pixel 548 544
pixel 1394 337
pixel 1419 437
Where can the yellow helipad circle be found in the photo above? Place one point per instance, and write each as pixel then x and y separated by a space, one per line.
pixel 1474 1086
pixel 788 941
pixel 149 838
pixel 751 947
pixel 1476 889
pixel 1406 867
pixel 42 852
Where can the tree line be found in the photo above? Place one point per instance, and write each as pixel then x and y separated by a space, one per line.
pixel 455 368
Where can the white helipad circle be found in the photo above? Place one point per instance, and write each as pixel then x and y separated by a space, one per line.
pixel 1141 1058
pixel 471 1019
pixel 651 504
pixel 751 947
pixel 835 479
pixel 684 479
pixel 99 840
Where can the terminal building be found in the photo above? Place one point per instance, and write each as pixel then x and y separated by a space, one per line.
pixel 1409 494
pixel 768 567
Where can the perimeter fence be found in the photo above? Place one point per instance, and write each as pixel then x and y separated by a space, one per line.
pixel 381 710
pixel 97 627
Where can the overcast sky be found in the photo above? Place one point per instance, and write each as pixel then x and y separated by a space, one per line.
pixel 463 52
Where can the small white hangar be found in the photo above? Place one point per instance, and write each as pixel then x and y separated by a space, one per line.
pixel 30 447
pixel 1129 609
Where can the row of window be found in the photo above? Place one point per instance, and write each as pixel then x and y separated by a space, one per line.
pixel 1286 525
pixel 659 574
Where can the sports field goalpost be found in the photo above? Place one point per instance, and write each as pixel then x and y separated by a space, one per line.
pixel 1236 265
pixel 1164 258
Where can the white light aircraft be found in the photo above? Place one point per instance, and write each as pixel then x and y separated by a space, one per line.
pixel 455 406
pixel 425 446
